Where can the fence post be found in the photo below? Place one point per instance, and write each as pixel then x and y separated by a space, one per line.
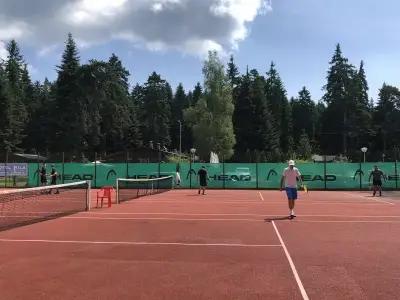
pixel 223 173
pixel 63 167
pixel 95 170
pixel 127 164
pixel 5 170
pixel 360 174
pixel 396 174
pixel 190 174
pixel 257 186
pixel 38 168
pixel 325 185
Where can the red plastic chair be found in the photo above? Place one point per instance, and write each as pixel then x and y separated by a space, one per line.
pixel 104 193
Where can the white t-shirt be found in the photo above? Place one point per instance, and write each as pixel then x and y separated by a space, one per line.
pixel 178 178
pixel 291 177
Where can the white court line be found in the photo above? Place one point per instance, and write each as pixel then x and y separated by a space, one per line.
pixel 139 243
pixel 163 219
pixel 292 266
pixel 196 202
pixel 369 198
pixel 214 202
pixel 215 214
pixel 261 196
pixel 344 221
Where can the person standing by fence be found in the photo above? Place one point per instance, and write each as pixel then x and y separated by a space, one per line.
pixel 53 176
pixel 43 175
pixel 203 179
pixel 377 176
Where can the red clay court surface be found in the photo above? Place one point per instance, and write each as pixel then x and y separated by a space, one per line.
pixel 225 245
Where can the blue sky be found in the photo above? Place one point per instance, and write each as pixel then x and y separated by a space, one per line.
pixel 299 36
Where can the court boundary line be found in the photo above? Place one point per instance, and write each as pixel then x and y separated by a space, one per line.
pixel 347 221
pixel 370 198
pixel 163 219
pixel 261 196
pixel 292 266
pixel 233 214
pixel 48 241
pixel 257 202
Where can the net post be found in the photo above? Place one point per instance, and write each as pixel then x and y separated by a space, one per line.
pixel 117 191
pixel 88 195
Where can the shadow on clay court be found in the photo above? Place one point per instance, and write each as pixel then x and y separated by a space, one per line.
pixel 269 220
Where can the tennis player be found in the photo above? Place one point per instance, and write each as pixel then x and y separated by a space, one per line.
pixel 377 176
pixel 53 176
pixel 202 175
pixel 289 180
pixel 43 178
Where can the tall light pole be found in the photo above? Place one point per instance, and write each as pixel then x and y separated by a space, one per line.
pixel 180 136
pixel 364 150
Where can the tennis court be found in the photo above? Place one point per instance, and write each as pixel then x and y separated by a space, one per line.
pixel 229 244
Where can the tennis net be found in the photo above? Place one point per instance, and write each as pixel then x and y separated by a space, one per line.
pixel 129 189
pixel 27 206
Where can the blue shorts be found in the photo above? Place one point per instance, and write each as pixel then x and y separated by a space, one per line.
pixel 291 193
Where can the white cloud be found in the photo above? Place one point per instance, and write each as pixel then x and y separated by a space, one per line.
pixel 47 50
pixel 189 26
pixel 14 30
pixel 3 51
pixel 32 69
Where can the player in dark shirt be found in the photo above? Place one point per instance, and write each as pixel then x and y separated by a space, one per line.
pixel 203 178
pixel 377 176
pixel 42 173
pixel 53 176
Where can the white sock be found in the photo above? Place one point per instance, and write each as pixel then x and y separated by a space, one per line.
pixel 292 212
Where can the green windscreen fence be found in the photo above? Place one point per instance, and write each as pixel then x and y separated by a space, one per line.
pixel 319 176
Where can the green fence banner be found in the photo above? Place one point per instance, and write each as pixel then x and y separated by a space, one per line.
pixel 331 176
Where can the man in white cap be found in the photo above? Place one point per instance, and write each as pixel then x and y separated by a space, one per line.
pixel 289 181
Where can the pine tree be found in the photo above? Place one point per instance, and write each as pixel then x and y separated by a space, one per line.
pixel 303 112
pixel 67 111
pixel 197 93
pixel 233 73
pixel 243 119
pixel 264 134
pixel 156 110
pixel 16 110
pixel 360 116
pixel 5 132
pixel 134 135
pixel 304 150
pixel 279 107
pixel 340 103
pixel 211 118
pixel 387 119
pixel 179 103
pixel 117 110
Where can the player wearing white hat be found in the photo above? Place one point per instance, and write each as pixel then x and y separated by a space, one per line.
pixel 289 180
